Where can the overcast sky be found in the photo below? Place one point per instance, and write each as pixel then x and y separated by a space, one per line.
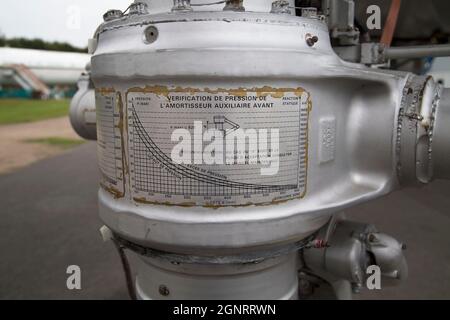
pixel 72 21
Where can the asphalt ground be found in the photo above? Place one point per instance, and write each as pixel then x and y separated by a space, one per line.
pixel 48 221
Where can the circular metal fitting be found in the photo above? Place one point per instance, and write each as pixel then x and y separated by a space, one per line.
pixel 138 8
pixel 112 15
pixel 151 34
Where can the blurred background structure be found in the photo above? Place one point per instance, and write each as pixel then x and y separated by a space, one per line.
pixel 30 73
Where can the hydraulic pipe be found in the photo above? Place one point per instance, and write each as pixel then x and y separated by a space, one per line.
pixel 417 51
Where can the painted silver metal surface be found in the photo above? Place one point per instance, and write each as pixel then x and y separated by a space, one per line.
pixel 366 132
pixel 388 255
pixel 159 280
pixel 348 95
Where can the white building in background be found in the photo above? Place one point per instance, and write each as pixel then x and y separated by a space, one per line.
pixel 40 72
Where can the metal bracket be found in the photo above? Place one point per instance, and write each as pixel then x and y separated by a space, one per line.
pixel 352 247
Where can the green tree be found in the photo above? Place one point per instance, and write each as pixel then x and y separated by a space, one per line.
pixel 39 44
pixel 2 39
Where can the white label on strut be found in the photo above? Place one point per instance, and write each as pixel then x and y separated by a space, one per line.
pixel 110 140
pixel 217 147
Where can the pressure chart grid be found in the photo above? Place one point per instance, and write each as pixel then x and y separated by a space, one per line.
pixel 155 177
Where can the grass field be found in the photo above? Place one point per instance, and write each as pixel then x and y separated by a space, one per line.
pixel 63 143
pixel 21 110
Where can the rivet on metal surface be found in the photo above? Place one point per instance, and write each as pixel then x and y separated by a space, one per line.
pixel 164 291
pixel 138 8
pixel 151 34
pixel 181 5
pixel 311 40
pixel 280 7
pixel 112 15
pixel 234 5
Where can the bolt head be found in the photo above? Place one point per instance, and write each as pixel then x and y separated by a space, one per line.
pixel 163 290
pixel 112 15
pixel 311 40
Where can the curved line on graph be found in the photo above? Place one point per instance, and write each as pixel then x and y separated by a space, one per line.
pixel 164 160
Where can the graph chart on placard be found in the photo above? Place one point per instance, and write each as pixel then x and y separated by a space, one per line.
pixel 154 172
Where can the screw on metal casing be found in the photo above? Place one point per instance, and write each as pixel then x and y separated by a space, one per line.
pixel 151 34
pixel 311 40
pixel 164 291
